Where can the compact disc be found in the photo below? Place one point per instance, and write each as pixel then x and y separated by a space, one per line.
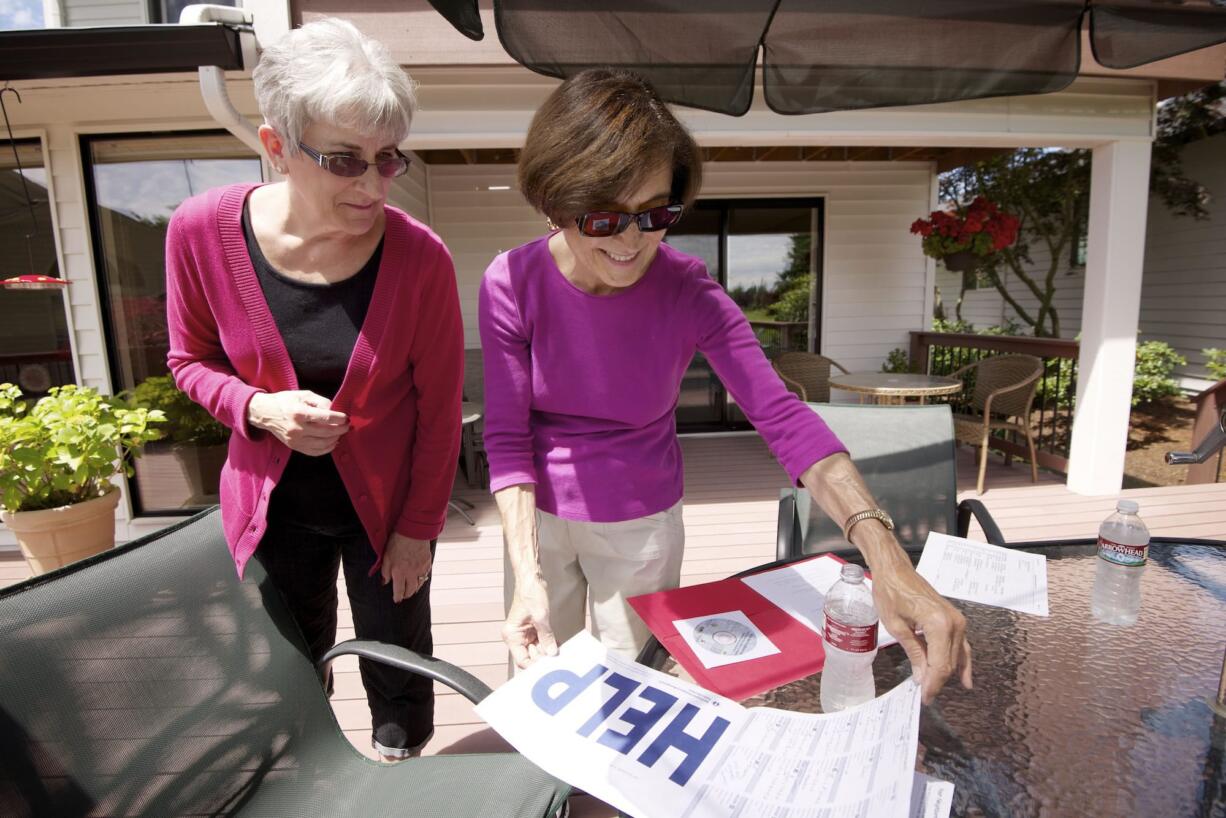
pixel 727 637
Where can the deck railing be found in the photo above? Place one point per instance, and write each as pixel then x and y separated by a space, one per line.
pixel 940 353
pixel 777 337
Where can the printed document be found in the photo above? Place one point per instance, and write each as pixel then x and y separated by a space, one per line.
pixel 800 590
pixel 655 746
pixel 988 574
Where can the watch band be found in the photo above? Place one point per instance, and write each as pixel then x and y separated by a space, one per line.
pixel 867 514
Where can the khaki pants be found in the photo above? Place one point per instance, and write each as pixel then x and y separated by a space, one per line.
pixel 591 569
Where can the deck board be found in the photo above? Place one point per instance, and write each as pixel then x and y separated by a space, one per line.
pixel 730 515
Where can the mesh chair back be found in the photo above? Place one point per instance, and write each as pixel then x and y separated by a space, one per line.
pixel 906 454
pixel 809 371
pixel 1001 372
pixel 150 681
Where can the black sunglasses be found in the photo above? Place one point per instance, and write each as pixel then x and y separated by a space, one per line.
pixel 599 224
pixel 342 164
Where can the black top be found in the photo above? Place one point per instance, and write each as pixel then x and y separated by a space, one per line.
pixel 319 324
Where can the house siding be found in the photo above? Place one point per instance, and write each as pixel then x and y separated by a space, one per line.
pixel 1183 292
pixel 874 272
pixel 81 13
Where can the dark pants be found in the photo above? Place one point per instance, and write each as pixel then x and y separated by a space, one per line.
pixel 303 565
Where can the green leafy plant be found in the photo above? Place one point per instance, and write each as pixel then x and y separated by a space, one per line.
pixel 187 422
pixel 897 361
pixel 1215 362
pixel 1152 380
pixel 67 447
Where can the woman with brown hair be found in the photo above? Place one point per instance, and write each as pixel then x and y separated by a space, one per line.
pixel 586 334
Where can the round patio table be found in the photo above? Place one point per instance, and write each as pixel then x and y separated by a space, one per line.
pixel 1068 716
pixel 896 387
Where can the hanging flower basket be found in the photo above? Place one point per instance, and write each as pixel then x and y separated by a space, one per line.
pixel 963 261
pixel 967 238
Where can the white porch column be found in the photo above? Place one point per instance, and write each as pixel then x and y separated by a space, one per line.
pixel 1119 199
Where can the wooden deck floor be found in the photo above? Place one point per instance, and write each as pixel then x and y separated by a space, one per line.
pixel 732 486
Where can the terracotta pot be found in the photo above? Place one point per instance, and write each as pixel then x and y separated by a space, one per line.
pixel 54 537
pixel 963 261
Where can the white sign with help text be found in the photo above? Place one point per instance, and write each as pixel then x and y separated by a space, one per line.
pixel 657 747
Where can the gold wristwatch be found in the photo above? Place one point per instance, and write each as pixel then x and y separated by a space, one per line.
pixel 867 514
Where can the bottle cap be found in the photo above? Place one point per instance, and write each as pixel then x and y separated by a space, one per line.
pixel 852 573
pixel 1127 507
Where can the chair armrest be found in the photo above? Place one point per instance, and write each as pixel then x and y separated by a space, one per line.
pixel 456 678
pixel 991 531
pixel 791 385
pixel 787 529
pixel 1013 387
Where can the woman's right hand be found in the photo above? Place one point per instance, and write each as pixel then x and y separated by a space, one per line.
pixel 300 419
pixel 527 631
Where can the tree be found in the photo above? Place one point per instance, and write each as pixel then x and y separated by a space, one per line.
pixel 1049 190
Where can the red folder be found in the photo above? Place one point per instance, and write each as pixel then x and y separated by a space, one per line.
pixel 800 649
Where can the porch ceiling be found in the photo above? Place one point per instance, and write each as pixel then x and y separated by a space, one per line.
pixel 945 158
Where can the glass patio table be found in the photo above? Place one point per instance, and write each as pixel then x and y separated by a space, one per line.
pixel 1072 717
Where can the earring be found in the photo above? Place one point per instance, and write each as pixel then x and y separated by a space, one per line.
pixel 549 224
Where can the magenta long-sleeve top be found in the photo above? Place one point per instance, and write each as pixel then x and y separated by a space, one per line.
pixel 581 389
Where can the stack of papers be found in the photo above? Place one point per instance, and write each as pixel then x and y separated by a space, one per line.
pixel 657 747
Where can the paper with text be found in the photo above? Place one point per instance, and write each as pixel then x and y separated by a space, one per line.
pixel 988 574
pixel 654 746
pixel 800 590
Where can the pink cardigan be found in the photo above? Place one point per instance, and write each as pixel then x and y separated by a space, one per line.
pixel 401 389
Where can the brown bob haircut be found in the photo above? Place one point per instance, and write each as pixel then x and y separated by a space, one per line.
pixel 599 135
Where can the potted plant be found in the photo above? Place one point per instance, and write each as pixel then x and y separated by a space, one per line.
pixel 195 439
pixel 964 237
pixel 57 459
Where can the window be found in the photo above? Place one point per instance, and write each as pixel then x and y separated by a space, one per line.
pixel 134 185
pixel 35 352
pixel 168 11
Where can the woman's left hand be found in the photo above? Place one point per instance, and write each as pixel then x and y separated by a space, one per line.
pixel 406 565
pixel 930 630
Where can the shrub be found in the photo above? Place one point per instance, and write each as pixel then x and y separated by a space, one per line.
pixel 1152 380
pixel 187 422
pixel 897 361
pixel 1215 362
pixel 67 447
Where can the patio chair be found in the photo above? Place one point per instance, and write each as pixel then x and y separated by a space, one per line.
pixel 150 681
pixel 906 454
pixel 1003 392
pixel 807 374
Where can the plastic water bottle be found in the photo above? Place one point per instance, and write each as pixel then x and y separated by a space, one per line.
pixel 850 632
pixel 1123 547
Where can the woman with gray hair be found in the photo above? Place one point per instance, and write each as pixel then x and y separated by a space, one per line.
pixel 323 327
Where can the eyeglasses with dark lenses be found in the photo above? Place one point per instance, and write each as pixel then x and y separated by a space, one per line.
pixel 601 223
pixel 342 164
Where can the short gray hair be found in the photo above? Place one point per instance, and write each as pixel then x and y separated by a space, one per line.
pixel 328 71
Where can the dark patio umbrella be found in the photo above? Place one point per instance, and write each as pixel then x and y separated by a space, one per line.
pixel 831 55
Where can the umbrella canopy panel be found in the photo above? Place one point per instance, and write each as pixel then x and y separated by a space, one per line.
pixel 832 55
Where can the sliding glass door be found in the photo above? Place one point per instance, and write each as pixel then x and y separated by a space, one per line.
pixel 766 253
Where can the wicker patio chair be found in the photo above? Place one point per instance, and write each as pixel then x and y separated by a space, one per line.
pixel 150 681
pixel 1004 387
pixel 807 374
pixel 906 455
